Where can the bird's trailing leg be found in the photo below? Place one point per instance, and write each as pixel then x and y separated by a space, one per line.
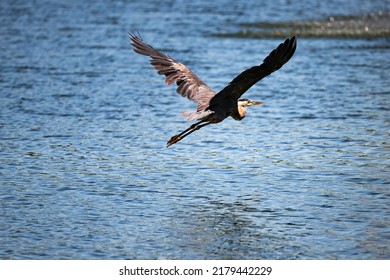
pixel 187 132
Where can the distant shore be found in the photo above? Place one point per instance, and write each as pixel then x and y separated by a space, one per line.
pixel 372 25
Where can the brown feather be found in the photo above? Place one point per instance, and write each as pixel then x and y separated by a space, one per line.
pixel 189 85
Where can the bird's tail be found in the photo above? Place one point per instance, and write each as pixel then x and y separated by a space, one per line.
pixel 195 115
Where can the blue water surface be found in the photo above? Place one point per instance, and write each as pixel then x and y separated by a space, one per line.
pixel 84 121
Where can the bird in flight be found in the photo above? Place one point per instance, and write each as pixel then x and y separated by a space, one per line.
pixel 213 107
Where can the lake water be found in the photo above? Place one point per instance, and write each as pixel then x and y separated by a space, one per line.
pixel 84 121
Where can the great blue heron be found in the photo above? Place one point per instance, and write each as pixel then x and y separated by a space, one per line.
pixel 213 107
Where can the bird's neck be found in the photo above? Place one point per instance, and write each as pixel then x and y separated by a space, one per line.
pixel 240 114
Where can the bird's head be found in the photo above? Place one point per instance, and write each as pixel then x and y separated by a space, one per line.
pixel 246 102
pixel 241 107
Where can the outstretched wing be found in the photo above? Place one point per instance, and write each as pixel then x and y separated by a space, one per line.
pixel 274 61
pixel 189 85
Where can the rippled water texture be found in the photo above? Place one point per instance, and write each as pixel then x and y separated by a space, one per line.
pixel 84 171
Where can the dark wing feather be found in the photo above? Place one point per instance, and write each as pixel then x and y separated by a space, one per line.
pixel 274 61
pixel 189 85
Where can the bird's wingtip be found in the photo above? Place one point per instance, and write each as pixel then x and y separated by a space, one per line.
pixel 134 34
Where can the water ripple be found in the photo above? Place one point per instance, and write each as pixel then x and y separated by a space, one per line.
pixel 84 121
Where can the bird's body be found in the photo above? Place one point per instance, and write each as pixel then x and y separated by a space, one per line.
pixel 213 107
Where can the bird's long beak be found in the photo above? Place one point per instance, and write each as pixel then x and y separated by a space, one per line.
pixel 253 103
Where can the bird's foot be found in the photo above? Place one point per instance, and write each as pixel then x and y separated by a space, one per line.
pixel 173 140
